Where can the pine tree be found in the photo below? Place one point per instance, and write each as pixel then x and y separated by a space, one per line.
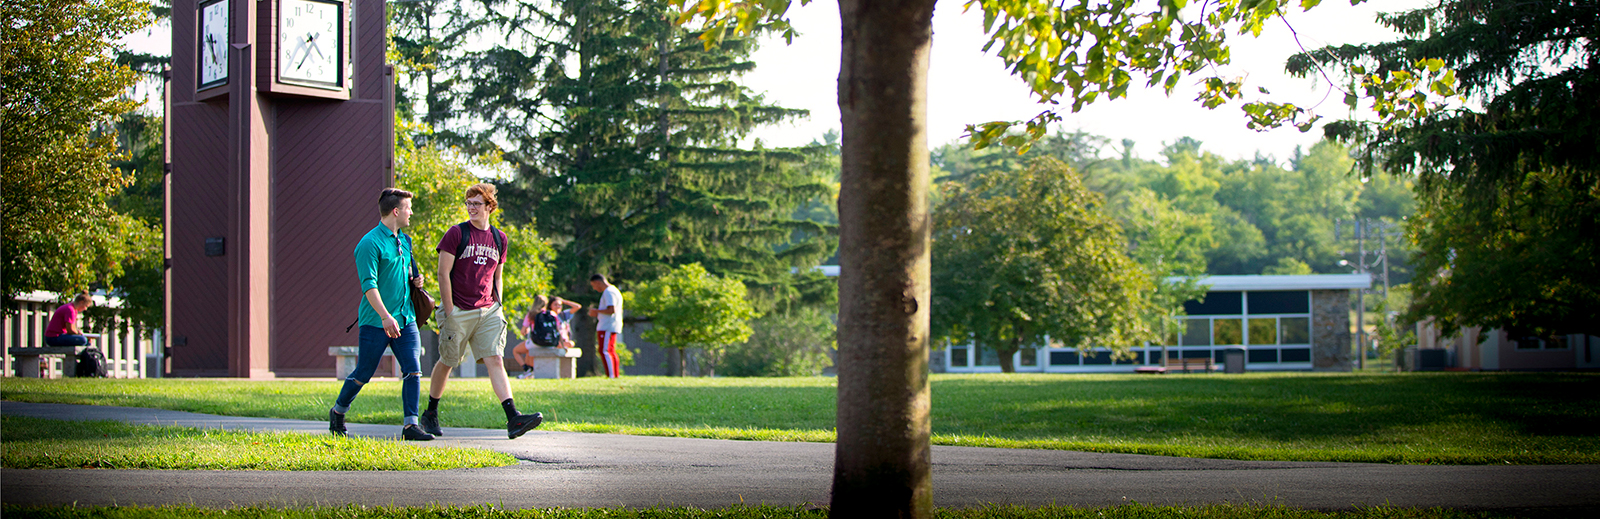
pixel 642 168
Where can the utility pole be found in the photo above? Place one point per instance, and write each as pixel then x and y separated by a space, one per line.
pixel 1361 303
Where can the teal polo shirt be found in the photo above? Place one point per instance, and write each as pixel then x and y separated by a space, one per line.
pixel 383 261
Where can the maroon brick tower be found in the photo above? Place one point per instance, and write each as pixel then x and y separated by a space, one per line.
pixel 280 135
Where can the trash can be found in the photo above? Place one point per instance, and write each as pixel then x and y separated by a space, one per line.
pixel 1233 360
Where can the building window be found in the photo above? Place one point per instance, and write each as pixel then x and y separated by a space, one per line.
pixel 1263 330
pixel 988 357
pixel 1197 332
pixel 1282 302
pixel 1063 358
pixel 1227 331
pixel 1294 330
pixel 1217 303
pixel 958 357
pixel 1263 355
pixel 1296 355
pixel 1030 357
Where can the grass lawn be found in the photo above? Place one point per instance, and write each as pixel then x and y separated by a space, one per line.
pixel 739 512
pixel 33 443
pixel 1427 418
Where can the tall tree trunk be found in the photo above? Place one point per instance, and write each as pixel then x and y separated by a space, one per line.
pixel 881 466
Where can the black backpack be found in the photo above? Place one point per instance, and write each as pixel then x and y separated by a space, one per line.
pixel 546 330
pixel 466 232
pixel 91 363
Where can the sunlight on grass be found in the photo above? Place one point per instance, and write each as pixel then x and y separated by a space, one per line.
pixel 32 443
pixel 1438 418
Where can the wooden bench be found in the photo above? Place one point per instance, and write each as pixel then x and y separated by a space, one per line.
pixel 1191 365
pixel 551 362
pixel 28 359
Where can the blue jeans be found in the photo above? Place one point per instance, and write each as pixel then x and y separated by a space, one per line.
pixel 407 357
pixel 66 340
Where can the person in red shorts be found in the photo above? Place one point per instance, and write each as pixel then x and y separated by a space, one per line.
pixel 609 313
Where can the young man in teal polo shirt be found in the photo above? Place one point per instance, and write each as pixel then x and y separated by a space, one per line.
pixel 383 263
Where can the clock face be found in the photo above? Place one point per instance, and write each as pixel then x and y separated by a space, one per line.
pixel 213 43
pixel 311 43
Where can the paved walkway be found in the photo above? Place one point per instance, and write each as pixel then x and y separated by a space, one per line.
pixel 603 470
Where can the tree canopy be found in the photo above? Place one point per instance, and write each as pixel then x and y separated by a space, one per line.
pixel 63 90
pixel 692 308
pixel 1021 255
pixel 1490 104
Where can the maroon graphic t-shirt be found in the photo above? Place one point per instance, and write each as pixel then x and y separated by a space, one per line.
pixel 472 277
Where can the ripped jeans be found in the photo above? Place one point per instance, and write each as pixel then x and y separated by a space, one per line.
pixel 407 352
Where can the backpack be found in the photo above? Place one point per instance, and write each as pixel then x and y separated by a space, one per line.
pixel 546 330
pixel 91 363
pixel 466 232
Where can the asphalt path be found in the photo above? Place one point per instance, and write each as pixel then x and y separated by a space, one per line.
pixel 563 469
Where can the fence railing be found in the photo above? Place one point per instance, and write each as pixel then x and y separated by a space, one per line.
pixel 122 341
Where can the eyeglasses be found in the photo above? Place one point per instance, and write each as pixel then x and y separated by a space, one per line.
pixel 475 205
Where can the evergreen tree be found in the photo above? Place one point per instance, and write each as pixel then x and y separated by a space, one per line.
pixel 1508 206
pixel 643 170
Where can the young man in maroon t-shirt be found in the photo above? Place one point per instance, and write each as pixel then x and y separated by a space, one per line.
pixel 470 317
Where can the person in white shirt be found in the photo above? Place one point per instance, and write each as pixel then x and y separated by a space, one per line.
pixel 609 313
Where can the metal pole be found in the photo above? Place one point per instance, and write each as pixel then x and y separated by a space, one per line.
pixel 1361 303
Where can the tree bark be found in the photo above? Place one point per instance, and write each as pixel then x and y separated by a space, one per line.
pixel 881 466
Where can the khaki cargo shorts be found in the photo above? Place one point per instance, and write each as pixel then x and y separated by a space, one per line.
pixel 481 329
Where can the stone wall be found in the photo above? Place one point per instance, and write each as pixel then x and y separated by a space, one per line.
pixel 1330 330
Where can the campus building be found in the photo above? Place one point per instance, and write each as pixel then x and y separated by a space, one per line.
pixel 1280 323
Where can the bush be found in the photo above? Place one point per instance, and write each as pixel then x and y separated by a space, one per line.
pixel 799 343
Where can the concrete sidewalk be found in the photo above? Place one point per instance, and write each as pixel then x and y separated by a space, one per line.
pixel 560 469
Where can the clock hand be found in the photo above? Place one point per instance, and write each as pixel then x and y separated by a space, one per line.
pixel 311 40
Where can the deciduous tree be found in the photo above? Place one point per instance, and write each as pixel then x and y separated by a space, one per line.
pixel 1029 253
pixel 692 308
pixel 62 92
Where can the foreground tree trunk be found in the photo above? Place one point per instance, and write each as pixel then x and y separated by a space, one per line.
pixel 882 466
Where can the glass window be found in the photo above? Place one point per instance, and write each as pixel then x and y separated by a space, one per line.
pixel 958 357
pixel 1285 302
pixel 1097 357
pixel 1267 355
pixel 1196 354
pixel 1063 358
pixel 1197 332
pixel 1264 330
pixel 1216 303
pixel 1296 355
pixel 1227 331
pixel 1030 357
pixel 1294 330
pixel 988 357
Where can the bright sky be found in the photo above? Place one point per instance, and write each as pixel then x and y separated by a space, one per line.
pixel 966 86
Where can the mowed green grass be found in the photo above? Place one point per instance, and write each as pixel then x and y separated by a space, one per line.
pixel 33 443
pixel 1132 511
pixel 1423 418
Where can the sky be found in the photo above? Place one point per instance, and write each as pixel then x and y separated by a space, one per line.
pixel 966 86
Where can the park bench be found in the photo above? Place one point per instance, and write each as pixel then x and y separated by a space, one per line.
pixel 28 359
pixel 551 362
pixel 1191 365
pixel 345 359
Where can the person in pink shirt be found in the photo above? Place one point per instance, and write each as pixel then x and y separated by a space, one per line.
pixel 63 327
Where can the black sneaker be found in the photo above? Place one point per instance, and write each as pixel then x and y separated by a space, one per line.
pixel 335 423
pixel 413 433
pixel 522 423
pixel 430 423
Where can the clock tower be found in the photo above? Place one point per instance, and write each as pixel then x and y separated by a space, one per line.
pixel 280 134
